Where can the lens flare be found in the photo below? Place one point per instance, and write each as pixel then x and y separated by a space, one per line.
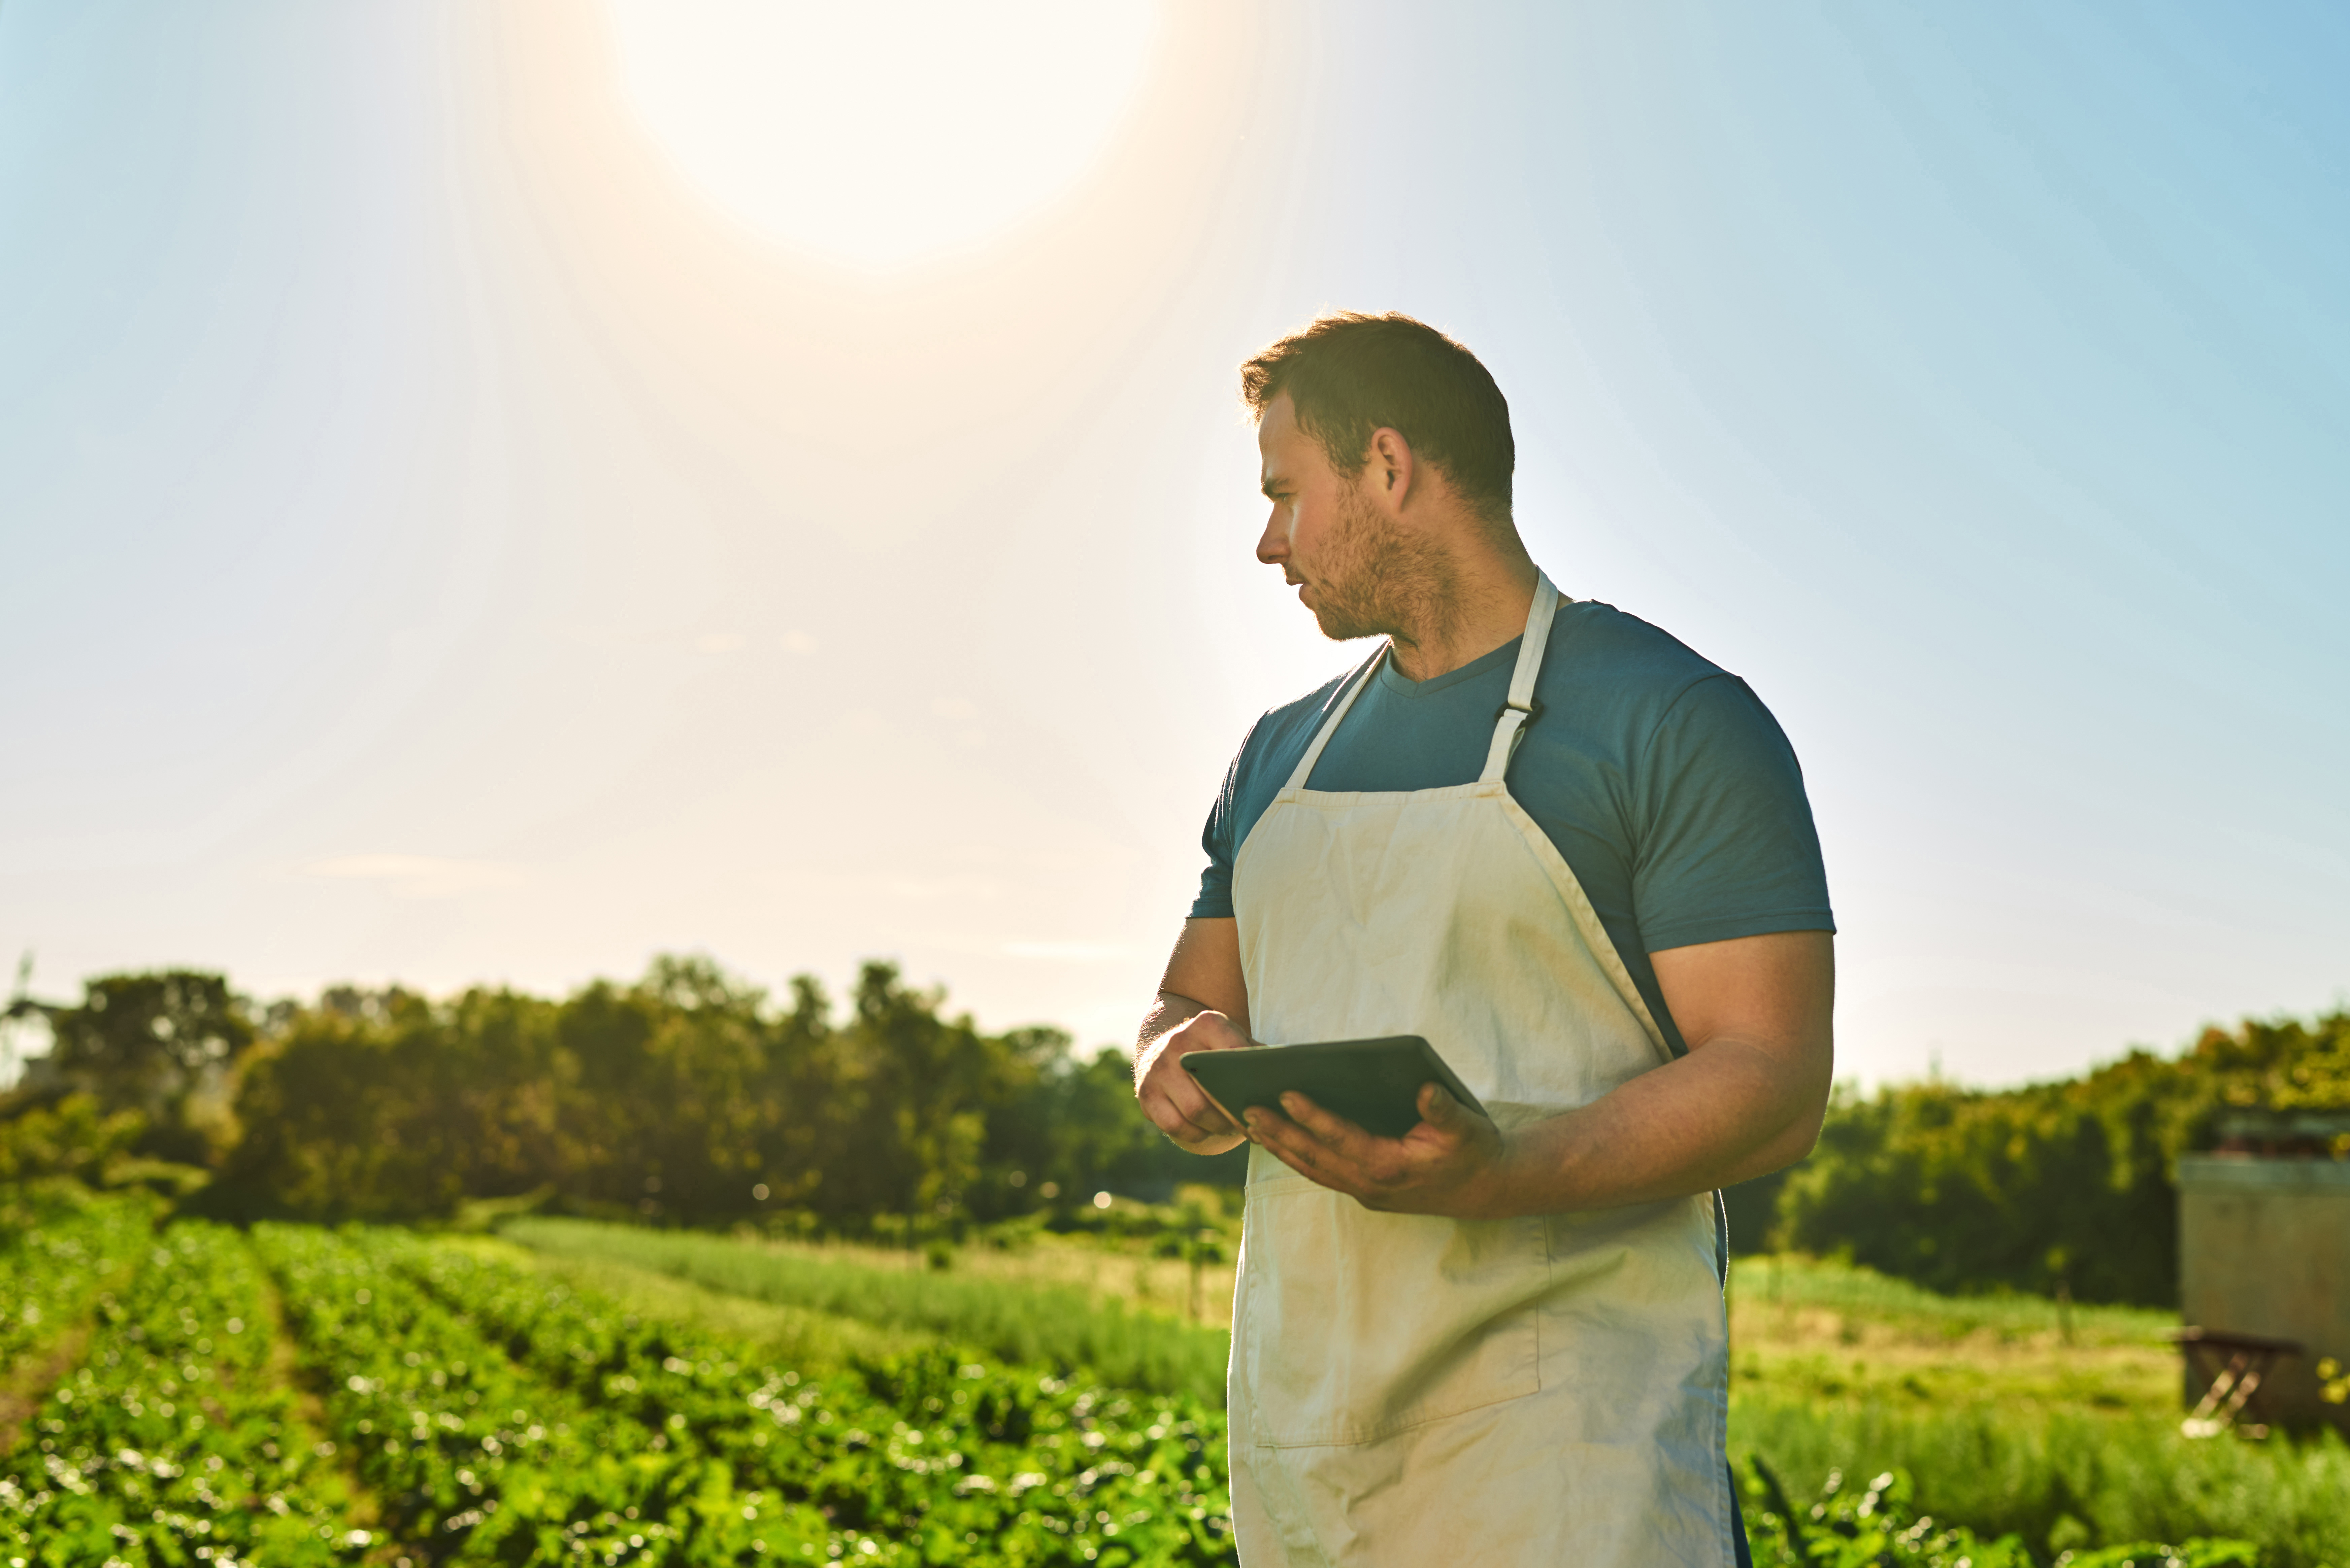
pixel 885 133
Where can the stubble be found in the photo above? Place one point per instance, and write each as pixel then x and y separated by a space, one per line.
pixel 1380 580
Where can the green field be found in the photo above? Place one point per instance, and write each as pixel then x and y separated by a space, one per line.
pixel 594 1395
pixel 1039 1318
pixel 2015 1416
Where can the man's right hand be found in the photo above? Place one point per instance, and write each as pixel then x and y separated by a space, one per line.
pixel 1203 1006
pixel 1173 1099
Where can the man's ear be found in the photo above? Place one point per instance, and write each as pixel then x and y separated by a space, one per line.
pixel 1391 455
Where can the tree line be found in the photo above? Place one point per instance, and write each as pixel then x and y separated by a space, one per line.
pixel 692 1097
pixel 688 1095
pixel 2069 1184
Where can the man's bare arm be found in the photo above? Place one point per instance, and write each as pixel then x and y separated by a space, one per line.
pixel 1203 1006
pixel 1746 1100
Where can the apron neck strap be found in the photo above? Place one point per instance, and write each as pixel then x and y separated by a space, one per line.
pixel 1518 712
pixel 1330 725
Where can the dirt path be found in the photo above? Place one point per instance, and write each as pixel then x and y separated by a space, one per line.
pixel 362 1509
pixel 28 1382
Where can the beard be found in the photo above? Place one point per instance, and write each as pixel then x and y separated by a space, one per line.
pixel 1378 579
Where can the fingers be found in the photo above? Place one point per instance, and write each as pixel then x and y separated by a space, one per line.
pixel 1320 1145
pixel 1189 1101
pixel 1332 1131
pixel 1173 1099
pixel 1177 1108
pixel 1294 1147
pixel 1436 1169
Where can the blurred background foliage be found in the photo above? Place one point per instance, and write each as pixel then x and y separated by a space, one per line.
pixel 688 1096
pixel 2067 1184
pixel 693 1098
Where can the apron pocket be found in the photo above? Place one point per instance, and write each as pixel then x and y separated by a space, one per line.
pixel 1352 1325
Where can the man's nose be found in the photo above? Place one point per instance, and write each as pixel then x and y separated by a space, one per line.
pixel 1273 544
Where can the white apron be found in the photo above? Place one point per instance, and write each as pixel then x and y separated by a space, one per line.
pixel 1407 1390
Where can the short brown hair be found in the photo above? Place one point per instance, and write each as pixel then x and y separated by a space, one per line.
pixel 1348 375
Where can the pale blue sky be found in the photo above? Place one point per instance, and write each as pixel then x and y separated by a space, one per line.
pixel 438 549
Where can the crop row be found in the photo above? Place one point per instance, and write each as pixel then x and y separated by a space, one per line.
pixel 477 1460
pixel 500 1416
pixel 50 1271
pixel 955 1461
pixel 1053 1326
pixel 170 1443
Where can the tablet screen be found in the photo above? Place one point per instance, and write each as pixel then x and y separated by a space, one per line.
pixel 1375 1083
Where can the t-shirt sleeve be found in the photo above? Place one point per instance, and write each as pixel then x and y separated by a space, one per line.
pixel 1726 846
pixel 1219 839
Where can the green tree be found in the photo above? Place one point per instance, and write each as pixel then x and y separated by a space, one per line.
pixel 72 1137
pixel 930 1081
pixel 687 1097
pixel 2071 1183
pixel 165 1045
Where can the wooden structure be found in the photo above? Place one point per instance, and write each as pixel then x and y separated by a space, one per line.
pixel 2264 1270
pixel 2233 1367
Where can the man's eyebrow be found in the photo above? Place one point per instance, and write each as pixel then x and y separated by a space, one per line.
pixel 1271 480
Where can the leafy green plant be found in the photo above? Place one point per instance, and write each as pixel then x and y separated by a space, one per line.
pixel 484 1461
pixel 61 1247
pixel 1877 1526
pixel 170 1443
pixel 504 1421
pixel 1059 1327
pixel 960 1461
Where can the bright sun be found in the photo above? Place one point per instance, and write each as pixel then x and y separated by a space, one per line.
pixel 880 133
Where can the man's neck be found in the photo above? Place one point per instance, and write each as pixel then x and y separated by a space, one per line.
pixel 1485 598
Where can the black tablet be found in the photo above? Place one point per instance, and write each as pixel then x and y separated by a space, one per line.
pixel 1375 1083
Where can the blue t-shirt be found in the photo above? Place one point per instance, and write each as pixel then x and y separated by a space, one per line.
pixel 1668 787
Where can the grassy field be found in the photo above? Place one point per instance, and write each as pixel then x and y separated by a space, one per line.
pixel 1831 1335
pixel 2013 1414
pixel 2010 1415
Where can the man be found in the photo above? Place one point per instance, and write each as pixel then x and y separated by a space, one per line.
pixel 1579 860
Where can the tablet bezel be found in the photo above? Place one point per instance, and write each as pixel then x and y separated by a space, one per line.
pixel 1306 1057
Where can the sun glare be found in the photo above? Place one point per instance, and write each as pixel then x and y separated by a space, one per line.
pixel 880 133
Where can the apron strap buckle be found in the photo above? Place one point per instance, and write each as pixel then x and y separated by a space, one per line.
pixel 1509 721
pixel 1531 708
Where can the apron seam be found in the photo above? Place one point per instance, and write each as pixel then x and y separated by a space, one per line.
pixel 1588 925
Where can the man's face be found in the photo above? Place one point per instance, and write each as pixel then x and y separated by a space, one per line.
pixel 1333 544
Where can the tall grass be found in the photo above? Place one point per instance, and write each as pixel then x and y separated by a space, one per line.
pixel 2071 1480
pixel 1040 1325
pixel 1793 1281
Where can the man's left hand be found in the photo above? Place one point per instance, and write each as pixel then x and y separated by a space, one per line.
pixel 1449 1164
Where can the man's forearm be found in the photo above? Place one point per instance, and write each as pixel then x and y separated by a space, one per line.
pixel 1715 1117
